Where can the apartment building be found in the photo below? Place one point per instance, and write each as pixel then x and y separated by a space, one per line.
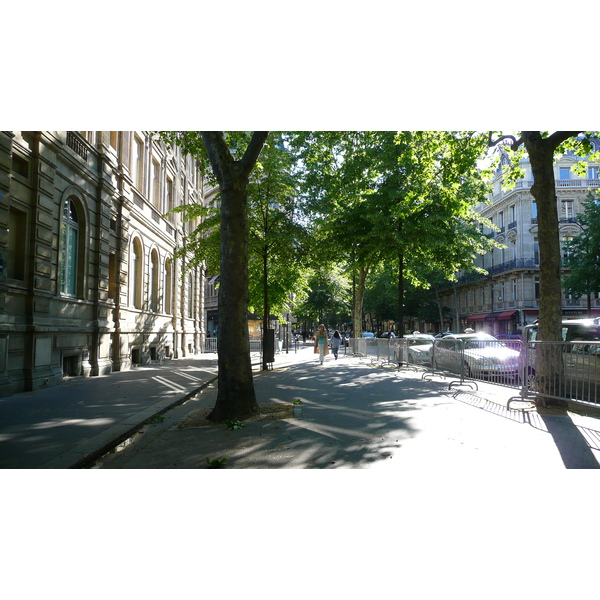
pixel 507 298
pixel 88 279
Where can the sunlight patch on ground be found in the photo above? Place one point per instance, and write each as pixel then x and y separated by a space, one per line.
pixel 174 386
pixel 67 422
pixel 330 431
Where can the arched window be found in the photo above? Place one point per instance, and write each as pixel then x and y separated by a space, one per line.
pixel 168 285
pixel 190 299
pixel 154 281
pixel 137 269
pixel 70 248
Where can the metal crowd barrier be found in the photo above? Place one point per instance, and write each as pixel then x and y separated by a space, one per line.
pixel 386 351
pixel 375 349
pixel 475 359
pixel 566 371
pixel 210 345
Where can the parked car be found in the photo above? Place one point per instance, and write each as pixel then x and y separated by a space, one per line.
pixel 476 355
pixel 414 349
pixel 368 334
pixel 579 366
pixel 441 334
pixel 580 330
pixel 511 340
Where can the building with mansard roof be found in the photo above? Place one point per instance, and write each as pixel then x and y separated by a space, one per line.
pixel 88 279
pixel 507 298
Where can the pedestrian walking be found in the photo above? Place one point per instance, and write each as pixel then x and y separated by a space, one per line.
pixel 321 343
pixel 336 340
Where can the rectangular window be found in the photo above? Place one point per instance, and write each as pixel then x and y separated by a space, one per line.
pixel 565 246
pixel 565 172
pixel 169 199
pixel 536 251
pixel 514 289
pixel 190 299
pixel 536 283
pixel 137 167
pixel 20 166
pixel 15 255
pixel 534 210
pixel 512 213
pixel 501 220
pixel 592 172
pixel 112 276
pixel 567 209
pixel 155 184
pixel 114 139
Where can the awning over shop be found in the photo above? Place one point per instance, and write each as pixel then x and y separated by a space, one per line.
pixel 477 317
pixel 500 316
pixel 506 315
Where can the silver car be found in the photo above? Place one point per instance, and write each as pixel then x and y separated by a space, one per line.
pixel 414 349
pixel 476 355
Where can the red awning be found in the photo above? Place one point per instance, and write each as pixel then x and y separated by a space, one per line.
pixel 477 317
pixel 507 314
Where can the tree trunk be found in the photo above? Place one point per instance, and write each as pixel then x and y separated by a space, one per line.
pixel 457 309
pixel 266 307
pixel 401 295
pixel 549 361
pixel 541 157
pixel 358 301
pixel 439 305
pixel 236 397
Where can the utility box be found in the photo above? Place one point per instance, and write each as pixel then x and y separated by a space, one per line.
pixel 269 346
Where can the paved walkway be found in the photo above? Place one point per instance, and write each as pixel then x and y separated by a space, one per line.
pixel 352 415
pixel 65 425
pixel 355 415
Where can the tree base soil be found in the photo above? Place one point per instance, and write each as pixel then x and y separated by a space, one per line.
pixel 267 412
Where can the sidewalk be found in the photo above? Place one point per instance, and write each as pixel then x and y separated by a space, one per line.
pixel 66 425
pixel 355 415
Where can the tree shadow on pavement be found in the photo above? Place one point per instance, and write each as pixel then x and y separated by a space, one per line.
pixel 352 416
pixel 574 448
pixel 575 443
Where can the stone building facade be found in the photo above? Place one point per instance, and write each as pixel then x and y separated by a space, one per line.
pixel 88 279
pixel 507 298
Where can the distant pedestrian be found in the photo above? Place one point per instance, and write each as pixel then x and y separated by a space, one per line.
pixel 321 343
pixel 336 340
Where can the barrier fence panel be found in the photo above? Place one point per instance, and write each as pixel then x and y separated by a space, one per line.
pixel 210 345
pixel 568 371
pixel 373 348
pixel 397 351
pixel 477 359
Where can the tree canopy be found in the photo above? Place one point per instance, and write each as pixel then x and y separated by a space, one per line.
pixel 408 196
